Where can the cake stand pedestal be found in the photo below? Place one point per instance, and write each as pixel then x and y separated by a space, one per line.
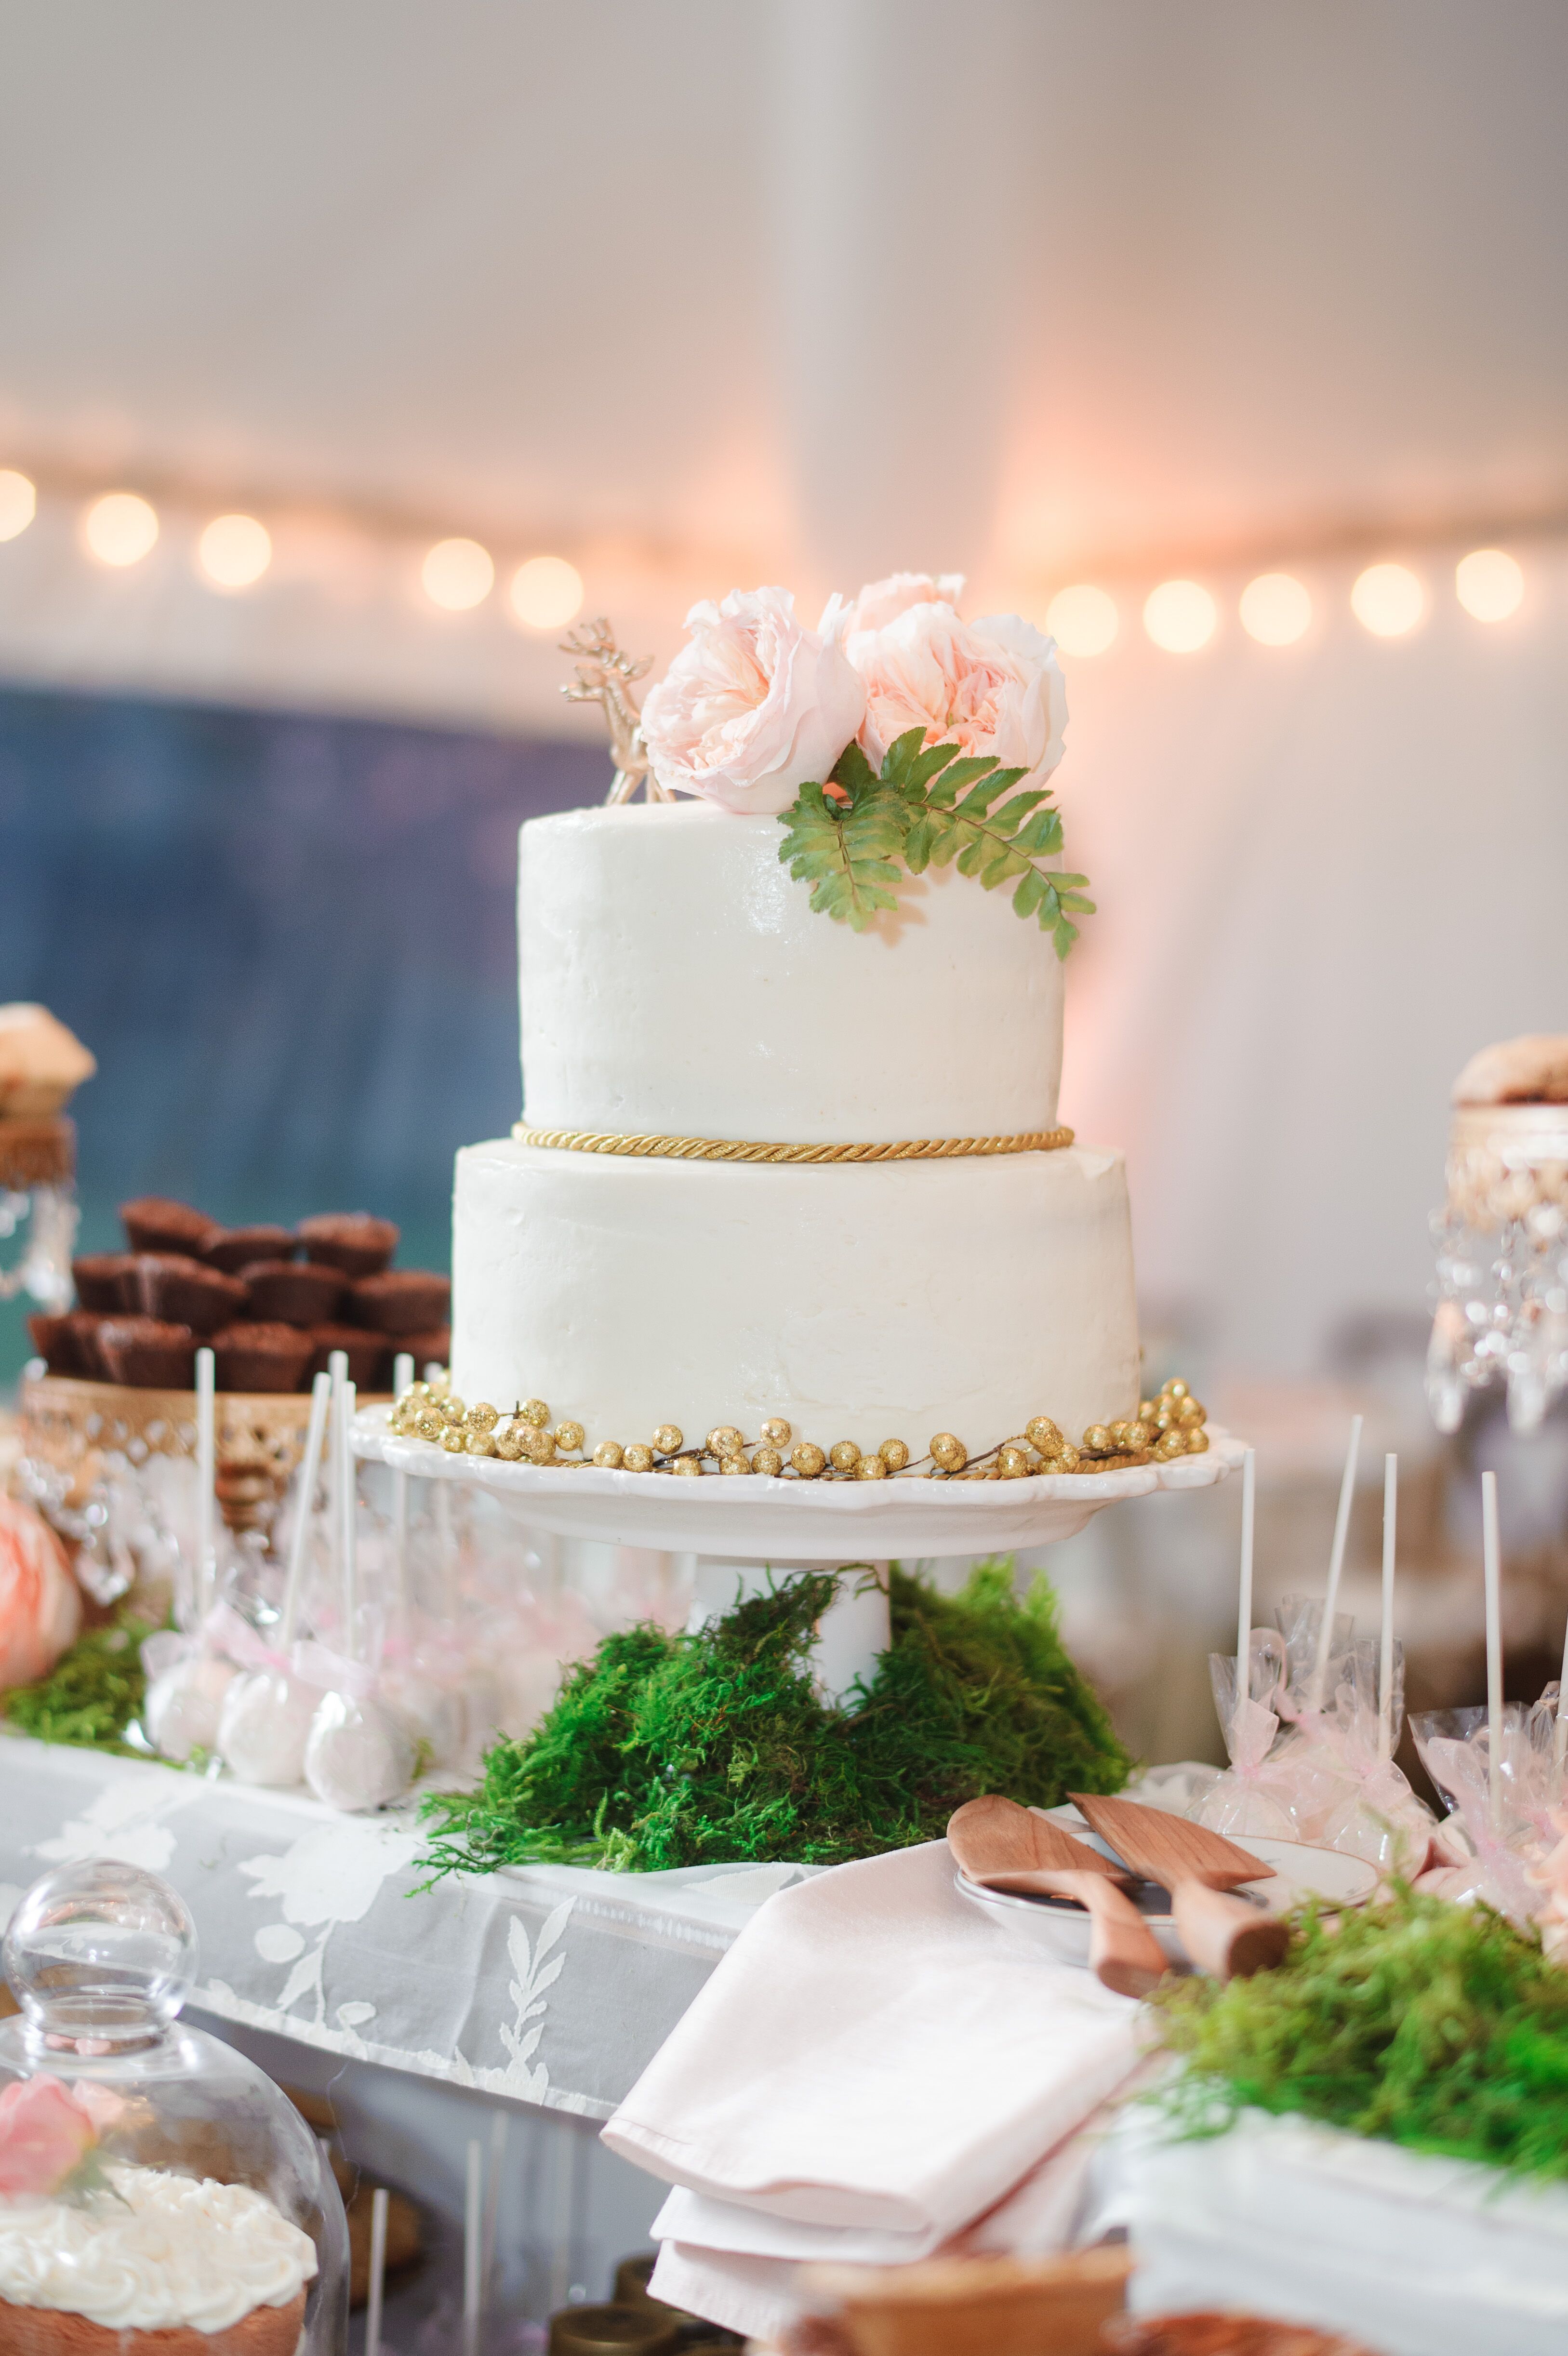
pixel 748 1532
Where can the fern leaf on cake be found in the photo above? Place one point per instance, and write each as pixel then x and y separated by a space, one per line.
pixel 845 844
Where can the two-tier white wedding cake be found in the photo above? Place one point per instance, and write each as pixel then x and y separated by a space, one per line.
pixel 947 1258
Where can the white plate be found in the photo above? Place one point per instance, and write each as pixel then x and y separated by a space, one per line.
pixel 1062 1929
pixel 762 1520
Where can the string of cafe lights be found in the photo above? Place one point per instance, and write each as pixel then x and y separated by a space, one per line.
pixel 1388 600
pixel 234 551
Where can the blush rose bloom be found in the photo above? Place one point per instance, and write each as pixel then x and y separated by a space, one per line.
pixel 756 705
pixel 45 2136
pixel 992 686
pixel 881 602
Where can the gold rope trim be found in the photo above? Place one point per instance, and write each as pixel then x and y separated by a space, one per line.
pixel 722 1149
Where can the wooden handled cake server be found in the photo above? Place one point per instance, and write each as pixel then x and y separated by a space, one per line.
pixel 1001 1845
pixel 1223 1934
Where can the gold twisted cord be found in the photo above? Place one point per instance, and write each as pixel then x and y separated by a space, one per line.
pixel 724 1148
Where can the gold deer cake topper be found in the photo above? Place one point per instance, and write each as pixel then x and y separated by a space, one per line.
pixel 604 676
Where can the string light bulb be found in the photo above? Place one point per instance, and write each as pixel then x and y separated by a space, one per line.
pixel 546 593
pixel 1388 600
pixel 457 574
pixel 1490 585
pixel 120 529
pixel 1180 616
pixel 1276 609
pixel 1083 619
pixel 234 551
pixel 18 502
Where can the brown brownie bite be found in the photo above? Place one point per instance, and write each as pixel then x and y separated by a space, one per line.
pixel 106 1282
pixel 54 1339
pixel 351 1240
pixel 183 1291
pixel 148 1354
pixel 152 1224
pixel 260 1357
pixel 368 1355
pixel 401 1300
pixel 84 1330
pixel 233 1248
pixel 284 1292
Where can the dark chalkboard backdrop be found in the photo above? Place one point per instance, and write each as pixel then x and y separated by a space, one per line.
pixel 289 941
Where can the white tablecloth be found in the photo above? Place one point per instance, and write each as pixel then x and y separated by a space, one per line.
pixel 545 1983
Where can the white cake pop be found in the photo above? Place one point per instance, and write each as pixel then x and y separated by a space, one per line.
pixel 183 1706
pixel 264 1727
pixel 360 1753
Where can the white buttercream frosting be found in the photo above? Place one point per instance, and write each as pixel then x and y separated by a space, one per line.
pixel 676 979
pixel 170 2250
pixel 860 1301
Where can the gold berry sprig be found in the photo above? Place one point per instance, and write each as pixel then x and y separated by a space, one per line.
pixel 1169 1426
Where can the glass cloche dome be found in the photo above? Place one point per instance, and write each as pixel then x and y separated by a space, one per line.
pixel 155 2185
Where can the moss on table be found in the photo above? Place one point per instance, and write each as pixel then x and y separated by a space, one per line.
pixel 91 1696
pixel 683 1750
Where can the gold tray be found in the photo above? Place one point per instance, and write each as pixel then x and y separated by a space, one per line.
pixel 69 1425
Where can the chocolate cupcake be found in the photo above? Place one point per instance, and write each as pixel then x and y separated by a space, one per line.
pixel 351 1240
pixel 283 1292
pixel 106 1282
pixel 183 1291
pixel 233 1248
pixel 433 1348
pixel 54 1339
pixel 368 1355
pixel 401 1300
pixel 260 1357
pixel 85 1324
pixel 152 1224
pixel 148 1354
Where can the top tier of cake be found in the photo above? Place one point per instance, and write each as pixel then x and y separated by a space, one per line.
pixel 676 980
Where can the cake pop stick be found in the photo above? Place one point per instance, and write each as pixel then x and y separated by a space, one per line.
pixel 1491 1558
pixel 378 2283
pixel 206 1578
pixel 473 2247
pixel 360 1754
pixel 310 1468
pixel 1335 1562
pixel 267 1714
pixel 1385 1657
pixel 402 1372
pixel 1245 1609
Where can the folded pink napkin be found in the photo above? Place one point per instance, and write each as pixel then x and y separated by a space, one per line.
pixel 874 2052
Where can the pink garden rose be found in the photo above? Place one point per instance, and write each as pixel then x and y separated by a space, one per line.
pixel 40 1603
pixel 881 602
pixel 992 686
pixel 45 2136
pixel 755 705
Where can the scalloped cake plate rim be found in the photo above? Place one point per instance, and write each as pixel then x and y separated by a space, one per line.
pixel 761 1518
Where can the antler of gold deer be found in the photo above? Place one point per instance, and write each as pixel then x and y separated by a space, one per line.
pixel 604 676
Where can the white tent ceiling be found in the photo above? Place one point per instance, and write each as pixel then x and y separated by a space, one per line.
pixel 697 293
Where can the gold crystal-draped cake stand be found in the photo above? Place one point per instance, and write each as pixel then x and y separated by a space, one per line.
pixel 747 1531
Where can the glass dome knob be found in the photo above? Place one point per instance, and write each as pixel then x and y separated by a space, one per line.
pixel 100 1954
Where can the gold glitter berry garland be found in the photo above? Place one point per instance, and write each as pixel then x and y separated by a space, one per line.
pixel 1170 1426
pixel 727 1149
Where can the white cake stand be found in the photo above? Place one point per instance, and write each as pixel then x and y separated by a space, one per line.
pixel 746 1531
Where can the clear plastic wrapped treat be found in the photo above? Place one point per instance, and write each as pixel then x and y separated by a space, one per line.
pixel 158 2195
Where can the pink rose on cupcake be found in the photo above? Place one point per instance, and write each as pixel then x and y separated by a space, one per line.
pixel 45 2136
pixel 992 686
pixel 756 705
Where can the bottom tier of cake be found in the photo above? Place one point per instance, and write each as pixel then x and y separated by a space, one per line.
pixel 861 1301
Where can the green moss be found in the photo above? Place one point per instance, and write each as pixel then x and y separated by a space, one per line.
pixel 670 1750
pixel 1435 2026
pixel 92 1693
